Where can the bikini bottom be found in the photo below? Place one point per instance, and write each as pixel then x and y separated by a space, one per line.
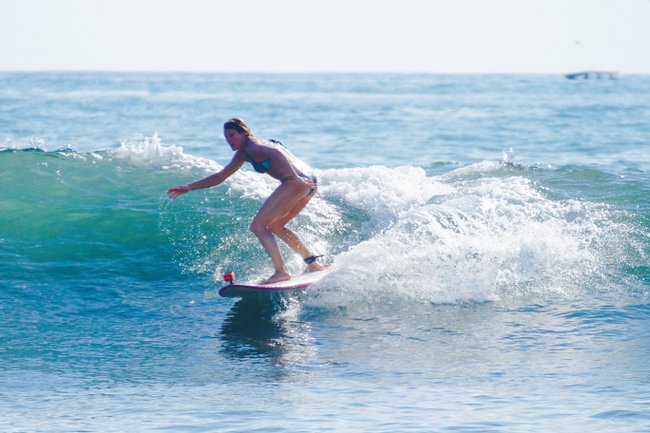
pixel 312 181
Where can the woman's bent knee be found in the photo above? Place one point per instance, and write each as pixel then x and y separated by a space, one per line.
pixel 257 227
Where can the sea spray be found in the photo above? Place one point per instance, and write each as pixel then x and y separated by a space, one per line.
pixel 485 238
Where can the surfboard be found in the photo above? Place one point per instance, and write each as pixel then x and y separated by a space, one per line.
pixel 233 289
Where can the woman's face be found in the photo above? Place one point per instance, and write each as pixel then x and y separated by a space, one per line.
pixel 235 138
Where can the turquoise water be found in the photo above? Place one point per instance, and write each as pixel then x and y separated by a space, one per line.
pixel 489 237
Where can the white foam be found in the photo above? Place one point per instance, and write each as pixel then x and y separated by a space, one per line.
pixel 381 192
pixel 485 239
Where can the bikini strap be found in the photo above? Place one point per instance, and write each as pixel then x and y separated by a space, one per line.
pixel 274 141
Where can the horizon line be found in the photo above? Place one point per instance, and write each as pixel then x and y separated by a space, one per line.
pixel 312 72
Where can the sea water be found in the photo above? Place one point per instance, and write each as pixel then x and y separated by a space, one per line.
pixel 488 236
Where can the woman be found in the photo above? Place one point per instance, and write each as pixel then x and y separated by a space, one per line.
pixel 295 190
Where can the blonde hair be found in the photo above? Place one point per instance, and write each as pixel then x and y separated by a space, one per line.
pixel 238 125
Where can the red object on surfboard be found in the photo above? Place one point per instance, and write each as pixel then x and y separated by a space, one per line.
pixel 239 290
pixel 229 277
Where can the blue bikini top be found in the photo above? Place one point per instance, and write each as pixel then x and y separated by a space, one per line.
pixel 263 166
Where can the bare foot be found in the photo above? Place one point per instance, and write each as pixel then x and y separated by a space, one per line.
pixel 276 278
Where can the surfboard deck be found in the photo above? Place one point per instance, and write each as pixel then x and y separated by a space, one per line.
pixel 240 290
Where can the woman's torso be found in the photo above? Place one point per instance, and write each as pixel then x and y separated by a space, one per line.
pixel 273 158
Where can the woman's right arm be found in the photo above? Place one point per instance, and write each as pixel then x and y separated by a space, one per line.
pixel 212 180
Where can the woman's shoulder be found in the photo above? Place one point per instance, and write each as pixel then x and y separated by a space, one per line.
pixel 240 155
pixel 266 147
pixel 268 142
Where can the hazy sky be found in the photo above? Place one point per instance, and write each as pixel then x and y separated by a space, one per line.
pixel 544 36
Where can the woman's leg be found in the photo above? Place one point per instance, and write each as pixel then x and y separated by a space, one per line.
pixel 282 203
pixel 279 228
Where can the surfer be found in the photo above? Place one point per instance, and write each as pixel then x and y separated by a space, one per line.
pixel 289 198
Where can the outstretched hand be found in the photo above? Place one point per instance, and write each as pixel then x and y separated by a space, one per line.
pixel 175 191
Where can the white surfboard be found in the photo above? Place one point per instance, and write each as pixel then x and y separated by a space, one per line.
pixel 233 289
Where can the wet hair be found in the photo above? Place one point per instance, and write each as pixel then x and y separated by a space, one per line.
pixel 238 125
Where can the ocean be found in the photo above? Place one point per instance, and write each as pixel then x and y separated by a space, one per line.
pixel 489 239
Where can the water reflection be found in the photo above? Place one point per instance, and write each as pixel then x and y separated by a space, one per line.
pixel 267 328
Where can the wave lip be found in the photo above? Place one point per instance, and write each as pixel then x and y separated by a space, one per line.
pixel 151 152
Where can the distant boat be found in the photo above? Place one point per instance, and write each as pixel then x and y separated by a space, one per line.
pixel 585 75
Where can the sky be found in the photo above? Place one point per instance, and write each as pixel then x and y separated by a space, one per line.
pixel 450 36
